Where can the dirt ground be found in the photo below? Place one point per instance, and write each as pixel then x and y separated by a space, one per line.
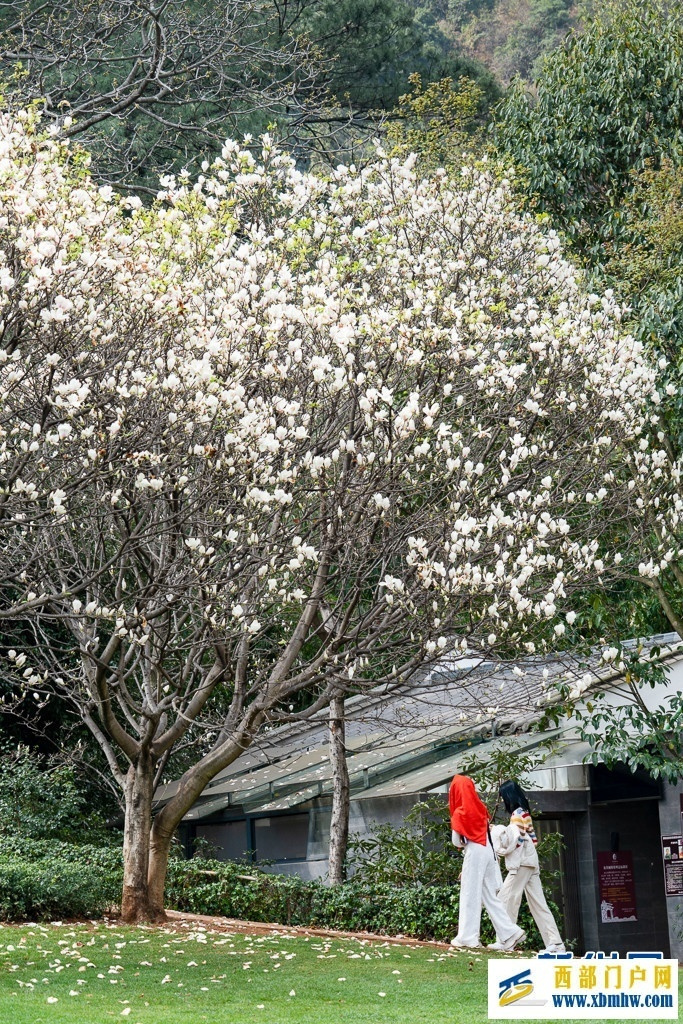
pixel 229 924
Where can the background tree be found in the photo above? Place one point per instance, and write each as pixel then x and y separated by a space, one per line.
pixel 154 89
pixel 645 264
pixel 510 37
pixel 150 88
pixel 282 432
pixel 604 104
pixel 442 122
pixel 44 799
pixel 374 46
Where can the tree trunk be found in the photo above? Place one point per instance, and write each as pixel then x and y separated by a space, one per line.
pixel 160 847
pixel 190 787
pixel 339 823
pixel 147 843
pixel 136 905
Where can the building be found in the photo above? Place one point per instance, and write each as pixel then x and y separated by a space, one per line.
pixel 622 866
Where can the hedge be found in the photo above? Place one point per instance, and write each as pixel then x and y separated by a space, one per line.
pixel 54 889
pixel 57 880
pixel 244 892
pixel 428 912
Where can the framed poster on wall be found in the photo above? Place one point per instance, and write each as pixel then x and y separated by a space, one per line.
pixel 617 887
pixel 672 855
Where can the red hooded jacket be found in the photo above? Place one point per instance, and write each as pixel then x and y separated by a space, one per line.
pixel 469 816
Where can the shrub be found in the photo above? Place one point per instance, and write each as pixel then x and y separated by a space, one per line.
pixel 425 912
pixel 42 799
pixel 419 852
pixel 44 879
pixel 53 889
pixel 41 878
pixel 107 859
pixel 247 893
pixel 239 890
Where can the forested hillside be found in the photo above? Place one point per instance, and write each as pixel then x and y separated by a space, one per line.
pixel 509 36
pixel 148 92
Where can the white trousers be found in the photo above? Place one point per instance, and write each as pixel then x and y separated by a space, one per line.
pixel 527 881
pixel 478 885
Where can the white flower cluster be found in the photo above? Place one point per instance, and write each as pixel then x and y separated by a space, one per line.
pixel 275 390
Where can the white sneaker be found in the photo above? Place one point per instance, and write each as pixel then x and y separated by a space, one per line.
pixel 514 940
pixel 457 944
pixel 496 946
pixel 554 949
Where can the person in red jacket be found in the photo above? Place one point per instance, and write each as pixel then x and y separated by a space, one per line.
pixel 480 878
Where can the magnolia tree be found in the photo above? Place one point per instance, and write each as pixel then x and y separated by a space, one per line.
pixel 282 435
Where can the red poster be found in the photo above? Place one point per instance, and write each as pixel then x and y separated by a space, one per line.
pixel 617 888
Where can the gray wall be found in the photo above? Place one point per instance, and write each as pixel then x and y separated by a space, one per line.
pixel 587 894
pixel 670 824
pixel 637 823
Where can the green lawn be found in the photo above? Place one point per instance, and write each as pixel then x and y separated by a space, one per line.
pixel 90 974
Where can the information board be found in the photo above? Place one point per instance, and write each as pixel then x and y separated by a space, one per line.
pixel 617 887
pixel 672 854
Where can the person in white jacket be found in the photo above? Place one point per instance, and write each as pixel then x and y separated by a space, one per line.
pixel 516 843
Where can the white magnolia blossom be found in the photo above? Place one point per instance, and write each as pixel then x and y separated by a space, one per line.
pixel 279 423
pixel 272 346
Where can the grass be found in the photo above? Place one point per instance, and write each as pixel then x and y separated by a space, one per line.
pixel 94 973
